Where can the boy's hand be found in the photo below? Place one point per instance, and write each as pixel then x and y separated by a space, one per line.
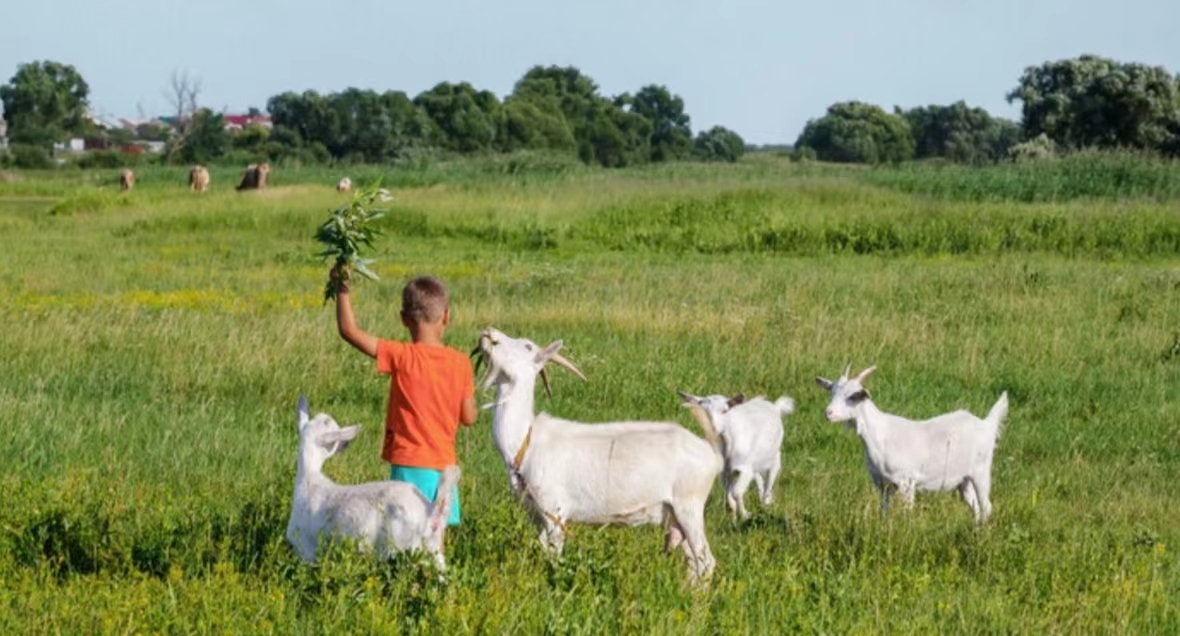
pixel 339 277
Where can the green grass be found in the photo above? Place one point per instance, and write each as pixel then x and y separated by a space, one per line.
pixel 1084 175
pixel 156 343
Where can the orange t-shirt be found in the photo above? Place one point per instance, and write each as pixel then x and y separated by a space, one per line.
pixel 427 386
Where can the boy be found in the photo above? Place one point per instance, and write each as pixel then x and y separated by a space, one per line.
pixel 431 387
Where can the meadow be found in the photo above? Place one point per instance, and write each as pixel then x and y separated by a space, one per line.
pixel 156 342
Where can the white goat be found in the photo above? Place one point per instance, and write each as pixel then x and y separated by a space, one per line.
pixel 391 516
pixel 752 434
pixel 953 450
pixel 628 473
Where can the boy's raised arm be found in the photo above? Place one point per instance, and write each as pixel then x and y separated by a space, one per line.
pixel 346 321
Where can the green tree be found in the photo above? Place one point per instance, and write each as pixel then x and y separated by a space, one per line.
pixel 45 102
pixel 535 123
pixel 207 139
pixel 310 115
pixel 719 144
pixel 960 133
pixel 251 138
pixel 604 132
pixel 1094 101
pixel 856 132
pixel 467 120
pixel 671 136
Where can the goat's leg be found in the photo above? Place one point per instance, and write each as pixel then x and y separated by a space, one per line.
pixel 884 491
pixel 771 479
pixel 907 490
pixel 727 484
pixel 967 491
pixel 740 486
pixel 983 487
pixel 691 515
pixel 552 537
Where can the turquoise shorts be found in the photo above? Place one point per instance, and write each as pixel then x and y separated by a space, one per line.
pixel 426 479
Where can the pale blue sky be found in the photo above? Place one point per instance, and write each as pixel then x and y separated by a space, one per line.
pixel 760 68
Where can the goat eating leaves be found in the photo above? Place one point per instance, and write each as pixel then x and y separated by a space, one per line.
pixel 627 473
pixel 951 451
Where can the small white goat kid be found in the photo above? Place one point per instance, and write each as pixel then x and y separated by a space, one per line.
pixel 752 434
pixel 389 516
pixel 628 473
pixel 953 450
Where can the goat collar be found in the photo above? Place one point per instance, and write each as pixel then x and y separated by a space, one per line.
pixel 524 446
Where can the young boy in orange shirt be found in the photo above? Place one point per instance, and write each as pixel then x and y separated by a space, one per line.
pixel 431 387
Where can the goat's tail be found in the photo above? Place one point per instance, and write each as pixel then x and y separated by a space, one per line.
pixel 706 423
pixel 443 498
pixel 785 405
pixel 998 413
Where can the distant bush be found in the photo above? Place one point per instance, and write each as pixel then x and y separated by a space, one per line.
pixel 106 159
pixel 719 144
pixel 1038 148
pixel 803 154
pixel 31 157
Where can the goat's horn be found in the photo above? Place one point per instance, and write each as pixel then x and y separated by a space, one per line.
pixel 545 381
pixel 559 359
pixel 848 369
pixel 477 355
pixel 866 373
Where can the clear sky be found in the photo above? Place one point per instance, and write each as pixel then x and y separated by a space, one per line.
pixel 760 68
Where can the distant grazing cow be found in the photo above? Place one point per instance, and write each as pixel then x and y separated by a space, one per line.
pixel 344 185
pixel 198 179
pixel 126 180
pixel 255 176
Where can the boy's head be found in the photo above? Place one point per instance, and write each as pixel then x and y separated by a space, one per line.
pixel 425 302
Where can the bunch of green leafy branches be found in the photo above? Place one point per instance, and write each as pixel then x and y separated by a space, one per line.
pixel 350 229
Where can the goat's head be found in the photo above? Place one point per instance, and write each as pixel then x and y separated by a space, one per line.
pixel 714 405
pixel 320 437
pixel 847 394
pixel 512 360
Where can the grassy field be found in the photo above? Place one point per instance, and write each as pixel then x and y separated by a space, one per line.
pixel 157 341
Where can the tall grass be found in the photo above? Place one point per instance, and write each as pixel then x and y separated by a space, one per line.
pixel 1084 175
pixel 155 347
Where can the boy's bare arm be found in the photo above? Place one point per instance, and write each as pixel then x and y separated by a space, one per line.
pixel 468 413
pixel 346 321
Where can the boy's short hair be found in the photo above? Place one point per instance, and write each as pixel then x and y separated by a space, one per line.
pixel 424 300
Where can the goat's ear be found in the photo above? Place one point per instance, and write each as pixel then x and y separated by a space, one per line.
pixel 688 398
pixel 301 411
pixel 858 397
pixel 824 383
pixel 545 354
pixel 736 400
pixel 339 440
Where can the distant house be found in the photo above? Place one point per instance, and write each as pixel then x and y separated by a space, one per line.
pixel 232 122
pixel 76 144
pixel 238 122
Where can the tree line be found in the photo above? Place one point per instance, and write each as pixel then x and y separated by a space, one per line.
pixel 1069 104
pixel 554 109
pixel 1066 105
